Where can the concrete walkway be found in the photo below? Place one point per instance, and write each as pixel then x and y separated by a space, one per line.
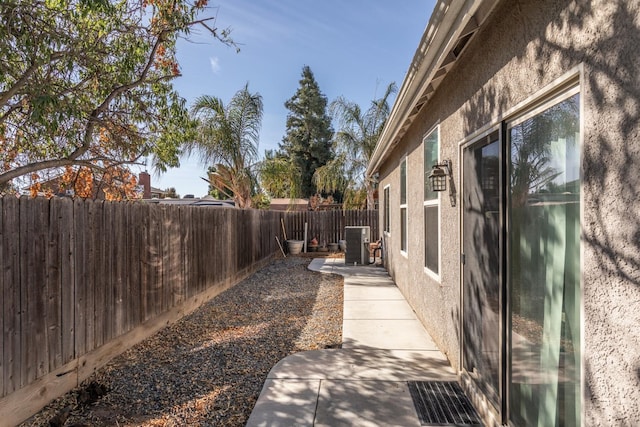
pixel 365 382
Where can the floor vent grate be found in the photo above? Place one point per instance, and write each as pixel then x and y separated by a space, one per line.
pixel 442 403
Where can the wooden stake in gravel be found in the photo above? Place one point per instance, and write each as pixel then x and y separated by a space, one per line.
pixel 304 249
pixel 284 232
pixel 278 240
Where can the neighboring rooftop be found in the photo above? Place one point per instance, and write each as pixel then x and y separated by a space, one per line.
pixel 194 201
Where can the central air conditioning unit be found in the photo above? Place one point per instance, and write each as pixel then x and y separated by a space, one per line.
pixel 357 245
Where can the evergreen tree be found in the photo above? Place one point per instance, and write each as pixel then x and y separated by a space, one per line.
pixel 308 139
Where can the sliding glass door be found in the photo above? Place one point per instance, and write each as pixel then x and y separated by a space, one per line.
pixel 544 266
pixel 521 270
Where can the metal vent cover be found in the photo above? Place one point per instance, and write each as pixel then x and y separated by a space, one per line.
pixel 442 403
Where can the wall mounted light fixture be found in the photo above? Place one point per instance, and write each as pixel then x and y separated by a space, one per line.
pixel 375 179
pixel 440 174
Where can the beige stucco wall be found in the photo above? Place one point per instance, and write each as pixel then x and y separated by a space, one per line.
pixel 523 48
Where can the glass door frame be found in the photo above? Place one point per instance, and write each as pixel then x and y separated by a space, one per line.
pixel 560 93
pixel 476 141
pixel 561 89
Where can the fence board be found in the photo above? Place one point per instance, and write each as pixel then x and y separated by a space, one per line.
pixel 11 273
pixel 187 243
pixel 135 262
pixel 108 246
pixel 80 273
pixel 36 347
pixel 93 273
pixel 67 284
pixel 231 240
pixel 206 251
pixel 155 247
pixel 165 257
pixel 327 226
pixel 172 246
pixel 12 346
pixel 198 249
pixel 53 288
pixel 126 268
pixel 103 311
pixel 25 362
pixel 145 261
pixel 120 257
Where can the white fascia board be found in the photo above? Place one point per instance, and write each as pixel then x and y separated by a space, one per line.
pixel 446 25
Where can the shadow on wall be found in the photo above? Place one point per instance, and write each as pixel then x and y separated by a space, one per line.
pixel 604 37
pixel 611 221
pixel 612 124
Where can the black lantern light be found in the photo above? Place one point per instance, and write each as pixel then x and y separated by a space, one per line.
pixel 440 174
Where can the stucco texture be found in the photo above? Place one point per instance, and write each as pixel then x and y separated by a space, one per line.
pixel 523 48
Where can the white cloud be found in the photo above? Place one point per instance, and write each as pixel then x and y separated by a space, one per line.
pixel 215 64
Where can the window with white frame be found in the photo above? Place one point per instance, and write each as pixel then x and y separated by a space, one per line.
pixel 403 205
pixel 385 206
pixel 431 205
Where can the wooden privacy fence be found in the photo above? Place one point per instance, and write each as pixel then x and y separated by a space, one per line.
pixel 328 226
pixel 82 281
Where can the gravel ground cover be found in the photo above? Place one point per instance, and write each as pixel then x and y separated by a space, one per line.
pixel 208 369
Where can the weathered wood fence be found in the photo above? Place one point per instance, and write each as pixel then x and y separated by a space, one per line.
pixel 82 281
pixel 328 226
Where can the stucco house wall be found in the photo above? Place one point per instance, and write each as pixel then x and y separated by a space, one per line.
pixel 525 49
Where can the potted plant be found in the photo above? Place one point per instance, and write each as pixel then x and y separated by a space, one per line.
pixel 313 245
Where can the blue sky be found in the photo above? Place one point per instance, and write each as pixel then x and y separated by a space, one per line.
pixel 354 48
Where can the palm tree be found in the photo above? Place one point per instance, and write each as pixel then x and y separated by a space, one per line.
pixel 228 140
pixel 357 136
pixel 279 175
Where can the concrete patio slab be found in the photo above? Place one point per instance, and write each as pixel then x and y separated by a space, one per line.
pixel 378 309
pixel 386 334
pixel 368 293
pixel 365 364
pixel 364 383
pixel 365 404
pixel 286 403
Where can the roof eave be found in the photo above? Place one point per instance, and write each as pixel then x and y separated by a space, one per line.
pixel 451 26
